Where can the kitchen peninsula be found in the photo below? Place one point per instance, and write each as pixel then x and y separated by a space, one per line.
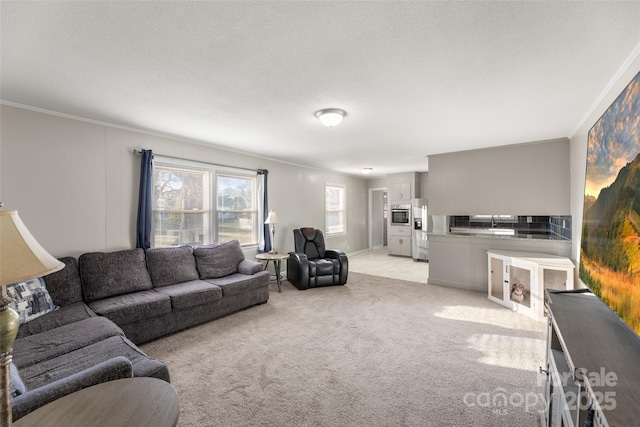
pixel 458 258
pixel 478 183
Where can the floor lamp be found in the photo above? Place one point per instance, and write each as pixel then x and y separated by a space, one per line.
pixel 21 258
pixel 272 219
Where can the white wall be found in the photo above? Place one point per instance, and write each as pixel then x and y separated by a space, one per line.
pixel 75 184
pixel 579 147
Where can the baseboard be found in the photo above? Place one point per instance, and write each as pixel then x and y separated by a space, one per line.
pixel 357 252
pixel 449 284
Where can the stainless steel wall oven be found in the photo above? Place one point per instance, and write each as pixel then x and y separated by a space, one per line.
pixel 401 215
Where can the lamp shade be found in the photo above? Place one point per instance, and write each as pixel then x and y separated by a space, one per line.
pixel 21 256
pixel 331 117
pixel 272 218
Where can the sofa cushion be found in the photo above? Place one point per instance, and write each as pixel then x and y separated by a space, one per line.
pixel 168 266
pixel 128 308
pixel 63 316
pixel 237 283
pixel 78 360
pixel 56 342
pixel 218 260
pixel 17 386
pixel 30 299
pixel 191 294
pixel 114 273
pixel 65 286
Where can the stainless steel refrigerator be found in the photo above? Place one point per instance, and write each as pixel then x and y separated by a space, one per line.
pixel 421 226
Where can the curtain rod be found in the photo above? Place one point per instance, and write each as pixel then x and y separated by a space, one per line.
pixel 198 161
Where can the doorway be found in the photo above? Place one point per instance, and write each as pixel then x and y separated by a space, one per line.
pixel 378 209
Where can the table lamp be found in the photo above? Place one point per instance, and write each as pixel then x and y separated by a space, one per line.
pixel 272 219
pixel 21 258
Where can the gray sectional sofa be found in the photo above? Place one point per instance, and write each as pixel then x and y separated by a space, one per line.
pixel 109 302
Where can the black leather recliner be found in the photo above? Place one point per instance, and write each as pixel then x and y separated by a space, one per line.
pixel 312 265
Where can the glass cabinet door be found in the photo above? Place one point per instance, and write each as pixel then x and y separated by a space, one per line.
pixel 556 279
pixel 523 289
pixel 497 277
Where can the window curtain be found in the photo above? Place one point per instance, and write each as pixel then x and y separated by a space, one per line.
pixel 143 225
pixel 263 232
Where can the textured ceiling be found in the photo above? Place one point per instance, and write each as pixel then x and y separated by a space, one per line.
pixel 416 78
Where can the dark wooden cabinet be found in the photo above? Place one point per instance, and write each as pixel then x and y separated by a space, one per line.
pixel 593 363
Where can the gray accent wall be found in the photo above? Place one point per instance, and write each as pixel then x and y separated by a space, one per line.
pixel 521 179
pixel 75 183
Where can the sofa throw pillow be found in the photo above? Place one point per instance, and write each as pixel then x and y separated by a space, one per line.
pixel 30 299
pixel 17 386
pixel 218 260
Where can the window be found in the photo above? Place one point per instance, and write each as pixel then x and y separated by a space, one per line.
pixel 198 204
pixel 335 209
pixel 237 208
pixel 181 207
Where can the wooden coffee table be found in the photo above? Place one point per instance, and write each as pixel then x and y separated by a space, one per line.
pixel 136 402
pixel 276 258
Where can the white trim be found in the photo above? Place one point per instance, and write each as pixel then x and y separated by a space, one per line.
pixel 361 251
pixel 635 53
pixel 177 138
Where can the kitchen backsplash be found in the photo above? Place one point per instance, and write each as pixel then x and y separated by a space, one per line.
pixel 561 225
pixel 557 224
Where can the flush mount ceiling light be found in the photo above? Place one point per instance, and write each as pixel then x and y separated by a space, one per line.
pixel 331 117
pixel 366 171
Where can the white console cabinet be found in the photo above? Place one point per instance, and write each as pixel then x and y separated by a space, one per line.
pixel 531 273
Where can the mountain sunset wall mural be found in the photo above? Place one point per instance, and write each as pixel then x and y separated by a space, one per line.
pixel 610 246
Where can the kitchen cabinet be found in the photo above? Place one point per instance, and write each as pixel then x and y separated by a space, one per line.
pixel 399 240
pixel 518 280
pixel 399 245
pixel 400 191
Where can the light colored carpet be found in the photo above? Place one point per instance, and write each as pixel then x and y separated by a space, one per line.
pixel 376 352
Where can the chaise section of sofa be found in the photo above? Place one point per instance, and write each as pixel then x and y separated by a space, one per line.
pixel 107 303
pixel 72 348
pixel 32 399
pixel 65 289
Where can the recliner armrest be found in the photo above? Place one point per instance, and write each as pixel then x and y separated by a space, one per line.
pixel 298 270
pixel 344 263
pixel 112 369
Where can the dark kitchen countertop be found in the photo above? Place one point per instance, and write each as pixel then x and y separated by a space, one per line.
pixel 518 235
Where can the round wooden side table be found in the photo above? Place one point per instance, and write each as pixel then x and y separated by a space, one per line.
pixel 140 402
pixel 276 258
